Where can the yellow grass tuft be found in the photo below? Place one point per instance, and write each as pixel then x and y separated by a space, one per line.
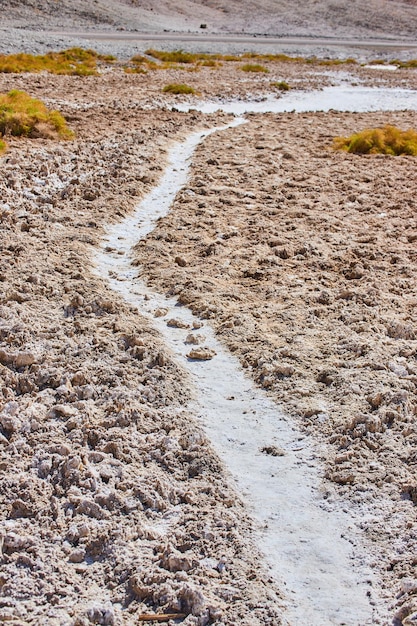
pixel 21 115
pixel 178 89
pixel 3 146
pixel 281 85
pixel 405 64
pixel 254 67
pixel 387 140
pixel 179 56
pixel 73 62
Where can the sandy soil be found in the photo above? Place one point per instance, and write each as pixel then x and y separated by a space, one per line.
pixel 113 502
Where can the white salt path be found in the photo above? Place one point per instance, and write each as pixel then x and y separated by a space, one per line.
pixel 307 543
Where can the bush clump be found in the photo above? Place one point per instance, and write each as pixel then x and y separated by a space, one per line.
pixel 178 89
pixel 387 140
pixel 281 85
pixel 178 56
pixel 21 115
pixel 405 64
pixel 73 62
pixel 3 146
pixel 254 67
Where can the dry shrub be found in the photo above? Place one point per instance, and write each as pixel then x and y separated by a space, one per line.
pixel 405 64
pixel 254 67
pixel 281 85
pixel 178 89
pixel 73 62
pixel 387 140
pixel 21 115
pixel 179 56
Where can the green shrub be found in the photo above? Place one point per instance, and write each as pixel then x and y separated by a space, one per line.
pixel 178 89
pixel 22 115
pixel 387 140
pixel 3 146
pixel 281 85
pixel 254 67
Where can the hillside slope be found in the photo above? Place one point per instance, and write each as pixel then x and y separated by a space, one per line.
pixel 334 18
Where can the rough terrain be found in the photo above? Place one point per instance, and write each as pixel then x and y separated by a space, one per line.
pixel 303 259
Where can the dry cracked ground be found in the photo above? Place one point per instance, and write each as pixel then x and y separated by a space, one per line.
pixel 302 258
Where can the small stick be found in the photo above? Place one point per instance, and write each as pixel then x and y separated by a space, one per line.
pixel 160 617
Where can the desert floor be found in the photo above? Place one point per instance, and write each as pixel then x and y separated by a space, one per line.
pixel 301 258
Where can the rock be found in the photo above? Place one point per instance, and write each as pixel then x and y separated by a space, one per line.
pixel 179 260
pixel 284 370
pixel 375 400
pixel 398 330
pixel 176 561
pixel 9 424
pixel 160 312
pixel 77 555
pixel 91 509
pixel 273 451
pixel 201 354
pixel 397 369
pixel 354 272
pixel 6 357
pixel 24 359
pixel 139 588
pixel 14 542
pixel 409 585
pixel 104 615
pixel 410 620
pixel 62 410
pixel 195 339
pixel 177 323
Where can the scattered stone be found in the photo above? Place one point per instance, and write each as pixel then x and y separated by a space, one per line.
pixel 195 339
pixel 177 323
pixel 201 354
pixel 272 451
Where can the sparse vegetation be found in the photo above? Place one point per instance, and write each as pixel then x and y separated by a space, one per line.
pixel 168 59
pixel 3 146
pixel 178 89
pixel 178 56
pixel 376 62
pixel 21 115
pixel 254 67
pixel 281 85
pixel 74 61
pixel 210 63
pixel 141 65
pixel 405 64
pixel 387 140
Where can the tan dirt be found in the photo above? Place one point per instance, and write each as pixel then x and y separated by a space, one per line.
pixel 113 502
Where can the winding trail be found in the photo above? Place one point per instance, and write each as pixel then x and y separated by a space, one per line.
pixel 308 542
